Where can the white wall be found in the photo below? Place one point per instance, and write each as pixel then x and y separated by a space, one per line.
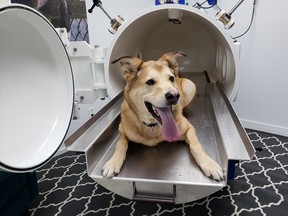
pixel 262 98
pixel 261 101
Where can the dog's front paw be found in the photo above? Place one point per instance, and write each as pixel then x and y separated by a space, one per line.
pixel 111 168
pixel 212 169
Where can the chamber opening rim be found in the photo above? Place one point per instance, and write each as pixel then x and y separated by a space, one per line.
pixel 154 9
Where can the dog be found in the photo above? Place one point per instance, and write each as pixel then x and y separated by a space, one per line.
pixel 154 98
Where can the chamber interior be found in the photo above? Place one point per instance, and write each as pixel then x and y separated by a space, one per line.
pixel 36 89
pixel 150 35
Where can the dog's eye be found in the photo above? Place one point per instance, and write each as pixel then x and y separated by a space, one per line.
pixel 172 78
pixel 150 82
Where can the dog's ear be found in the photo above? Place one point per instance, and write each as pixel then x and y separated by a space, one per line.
pixel 129 65
pixel 170 60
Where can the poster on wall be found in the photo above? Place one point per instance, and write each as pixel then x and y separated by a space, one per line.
pixel 69 14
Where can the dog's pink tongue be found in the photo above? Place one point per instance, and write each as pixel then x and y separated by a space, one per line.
pixel 170 130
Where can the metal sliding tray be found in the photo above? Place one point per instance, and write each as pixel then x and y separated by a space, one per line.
pixel 167 172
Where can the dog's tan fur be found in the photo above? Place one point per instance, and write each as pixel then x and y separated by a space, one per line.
pixel 135 116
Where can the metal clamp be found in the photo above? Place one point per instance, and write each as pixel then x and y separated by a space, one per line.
pixel 115 23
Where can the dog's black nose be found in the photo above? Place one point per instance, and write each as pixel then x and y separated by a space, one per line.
pixel 172 97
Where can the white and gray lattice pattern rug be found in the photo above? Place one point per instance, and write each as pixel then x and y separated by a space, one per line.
pixel 260 188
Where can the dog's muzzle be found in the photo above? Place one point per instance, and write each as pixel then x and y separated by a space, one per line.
pixel 172 97
pixel 164 116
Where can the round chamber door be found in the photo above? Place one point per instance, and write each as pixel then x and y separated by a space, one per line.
pixel 36 89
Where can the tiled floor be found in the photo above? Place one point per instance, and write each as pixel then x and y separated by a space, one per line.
pixel 260 188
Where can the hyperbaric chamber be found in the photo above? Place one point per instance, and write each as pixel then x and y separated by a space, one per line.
pixel 37 90
pixel 162 173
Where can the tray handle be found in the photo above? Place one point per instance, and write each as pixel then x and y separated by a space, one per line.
pixel 151 197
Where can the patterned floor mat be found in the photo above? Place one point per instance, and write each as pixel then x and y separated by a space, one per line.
pixel 260 188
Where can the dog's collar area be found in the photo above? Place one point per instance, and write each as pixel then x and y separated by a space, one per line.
pixel 151 124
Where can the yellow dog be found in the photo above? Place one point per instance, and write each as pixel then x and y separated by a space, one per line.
pixel 154 98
